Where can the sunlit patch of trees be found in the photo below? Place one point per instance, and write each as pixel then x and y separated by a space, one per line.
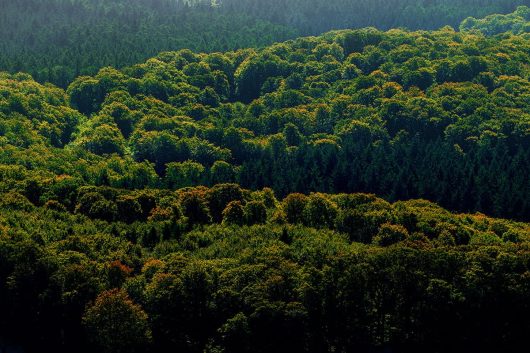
pixel 439 115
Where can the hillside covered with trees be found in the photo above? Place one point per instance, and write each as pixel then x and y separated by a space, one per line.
pixel 516 22
pixel 317 16
pixel 357 191
pixel 440 115
pixel 58 40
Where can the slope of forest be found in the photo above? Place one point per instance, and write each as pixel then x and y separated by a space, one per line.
pixel 317 16
pixel 439 115
pixel 516 22
pixel 226 202
pixel 58 40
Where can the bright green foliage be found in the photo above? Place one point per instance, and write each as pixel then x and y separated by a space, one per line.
pixel 184 174
pixel 516 22
pixel 31 113
pixel 103 139
pixel 222 172
pixel 439 115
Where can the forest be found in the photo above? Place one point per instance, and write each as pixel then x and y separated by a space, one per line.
pixel 58 40
pixel 225 269
pixel 267 190
pixel 440 115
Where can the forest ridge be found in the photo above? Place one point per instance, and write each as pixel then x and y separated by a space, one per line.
pixel 58 40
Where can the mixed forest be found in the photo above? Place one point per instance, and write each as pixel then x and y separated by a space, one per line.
pixel 362 190
pixel 58 40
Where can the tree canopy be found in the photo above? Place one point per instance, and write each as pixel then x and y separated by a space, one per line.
pixel 58 40
pixel 225 269
pixel 363 190
pixel 440 115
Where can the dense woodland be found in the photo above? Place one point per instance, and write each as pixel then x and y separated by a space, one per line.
pixel 317 16
pixel 58 40
pixel 440 115
pixel 335 193
pixel 229 270
pixel 516 22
